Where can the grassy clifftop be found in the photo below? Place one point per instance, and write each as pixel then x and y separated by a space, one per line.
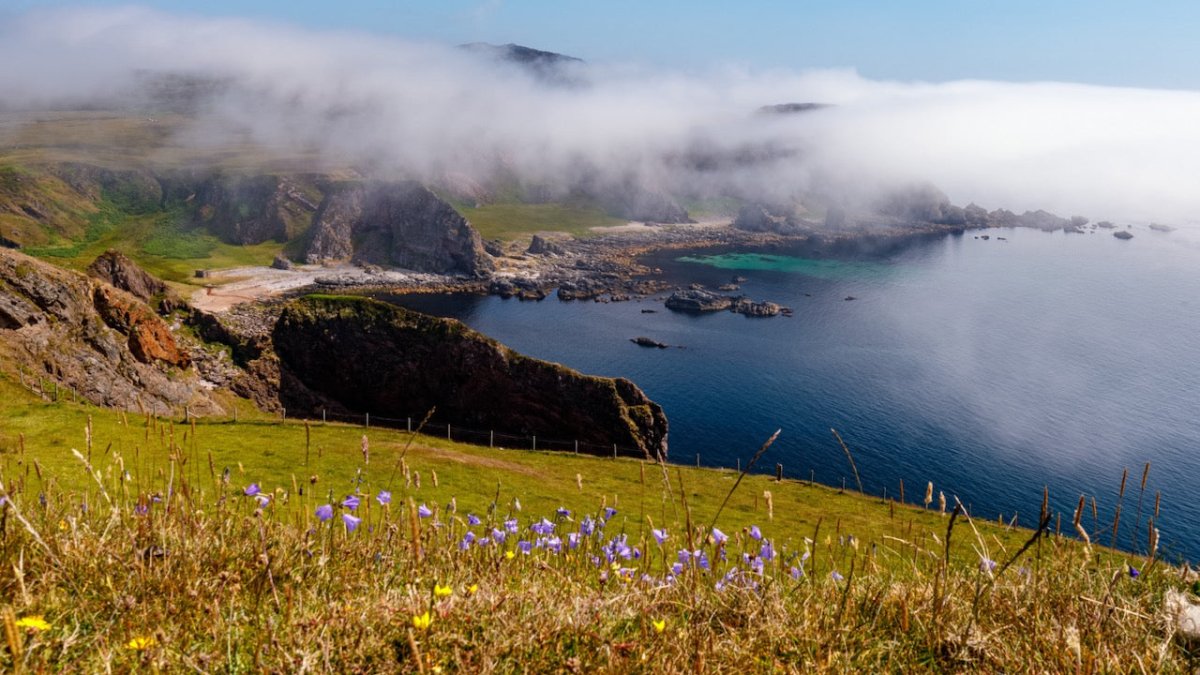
pixel 264 545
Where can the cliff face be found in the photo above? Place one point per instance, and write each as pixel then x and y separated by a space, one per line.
pixel 94 338
pixel 398 224
pixel 369 356
pixel 258 208
pixel 401 224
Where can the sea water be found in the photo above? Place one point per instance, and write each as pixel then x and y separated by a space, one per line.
pixel 990 367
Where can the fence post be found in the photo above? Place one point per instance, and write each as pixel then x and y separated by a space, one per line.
pixel 410 425
pixel 697 460
pixel 367 421
pixel 322 416
pixel 778 472
pixel 739 464
pixel 535 442
pixel 448 433
pixel 577 446
pixel 282 415
pixel 614 451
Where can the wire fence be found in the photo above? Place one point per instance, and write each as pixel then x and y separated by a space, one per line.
pixel 489 437
pixel 49 390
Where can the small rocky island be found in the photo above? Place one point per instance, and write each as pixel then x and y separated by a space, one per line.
pixel 700 301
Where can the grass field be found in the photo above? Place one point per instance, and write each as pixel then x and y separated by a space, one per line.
pixel 158 242
pixel 513 220
pixel 281 546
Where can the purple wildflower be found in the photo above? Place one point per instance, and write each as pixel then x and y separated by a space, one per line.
pixel 618 548
pixel 685 556
pixel 384 498
pixel 562 512
pixel 836 576
pixel 755 533
pixel 511 525
pixel 263 500
pixel 524 547
pixel 677 569
pixel 423 511
pixel 473 519
pixel 485 541
pixel 796 573
pixel 987 565
pixel 351 522
pixel 467 540
pixel 587 526
pixel 767 552
pixel 251 490
pixel 719 536
pixel 499 535
pixel 659 535
pixel 140 509
pixel 350 502
pixel 609 512
pixel 554 544
pixel 756 565
pixel 1133 572
pixel 542 527
pixel 701 559
pixel 573 540
pixel 324 512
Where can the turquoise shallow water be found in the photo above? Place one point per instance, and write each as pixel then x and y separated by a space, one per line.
pixel 811 267
pixel 991 368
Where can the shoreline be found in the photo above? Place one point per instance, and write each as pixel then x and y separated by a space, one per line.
pixel 603 268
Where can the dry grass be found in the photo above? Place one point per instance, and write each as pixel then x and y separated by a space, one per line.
pixel 177 568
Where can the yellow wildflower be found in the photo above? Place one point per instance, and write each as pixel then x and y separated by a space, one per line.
pixel 472 589
pixel 659 625
pixel 440 591
pixel 141 643
pixel 422 621
pixel 35 623
pixel 509 555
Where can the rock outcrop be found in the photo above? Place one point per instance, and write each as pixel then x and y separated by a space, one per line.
pixel 540 245
pixel 116 268
pixel 761 218
pixel 372 357
pixel 86 335
pixel 398 224
pixel 697 301
pixel 253 209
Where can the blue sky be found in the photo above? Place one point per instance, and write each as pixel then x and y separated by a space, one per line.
pixel 1100 41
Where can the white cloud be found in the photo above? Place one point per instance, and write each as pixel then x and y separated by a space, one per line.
pixel 423 108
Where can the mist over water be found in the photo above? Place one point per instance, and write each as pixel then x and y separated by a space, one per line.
pixel 992 368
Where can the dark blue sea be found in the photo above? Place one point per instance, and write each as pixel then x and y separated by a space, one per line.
pixel 990 367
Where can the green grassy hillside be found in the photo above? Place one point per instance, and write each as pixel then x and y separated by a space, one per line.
pixel 204 545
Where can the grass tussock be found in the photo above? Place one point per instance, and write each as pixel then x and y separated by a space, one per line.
pixel 380 552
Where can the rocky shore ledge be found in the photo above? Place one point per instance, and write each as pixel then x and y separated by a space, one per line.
pixel 603 268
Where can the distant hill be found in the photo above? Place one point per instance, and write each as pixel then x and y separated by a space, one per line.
pixel 550 67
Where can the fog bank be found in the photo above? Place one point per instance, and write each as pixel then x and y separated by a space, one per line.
pixel 436 110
